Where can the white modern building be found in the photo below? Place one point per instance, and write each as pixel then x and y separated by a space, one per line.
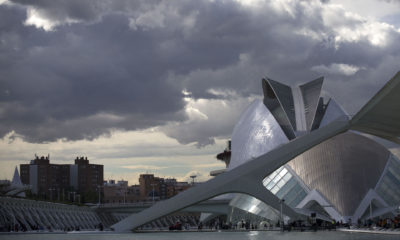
pixel 293 145
pixel 346 177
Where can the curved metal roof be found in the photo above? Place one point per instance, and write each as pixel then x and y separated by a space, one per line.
pixel 278 99
pixel 256 133
pixel 343 169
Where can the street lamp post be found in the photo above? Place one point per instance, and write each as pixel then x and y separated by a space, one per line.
pixel 370 210
pixel 281 217
pixel 153 185
pixel 99 188
pixel 125 194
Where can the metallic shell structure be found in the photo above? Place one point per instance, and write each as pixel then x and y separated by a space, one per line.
pixel 317 165
pixel 342 169
pixel 256 132
pixel 323 170
pixel 346 178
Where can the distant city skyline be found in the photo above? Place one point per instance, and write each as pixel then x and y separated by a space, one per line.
pixel 157 87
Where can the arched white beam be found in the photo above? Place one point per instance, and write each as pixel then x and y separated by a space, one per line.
pixel 381 115
pixel 316 196
pixel 246 178
pixel 222 208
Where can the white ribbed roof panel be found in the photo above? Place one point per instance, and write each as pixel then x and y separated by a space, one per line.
pixel 381 115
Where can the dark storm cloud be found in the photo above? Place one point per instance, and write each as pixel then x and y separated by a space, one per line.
pixel 124 64
pixel 55 84
pixel 392 1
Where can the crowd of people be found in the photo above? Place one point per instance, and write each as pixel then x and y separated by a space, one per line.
pixel 382 223
pixel 311 224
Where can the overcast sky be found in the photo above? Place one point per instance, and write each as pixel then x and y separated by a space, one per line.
pixel 157 86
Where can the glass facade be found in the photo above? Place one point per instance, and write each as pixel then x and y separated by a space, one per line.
pixel 253 205
pixel 311 95
pixel 284 185
pixel 278 99
pixel 389 186
pixel 237 215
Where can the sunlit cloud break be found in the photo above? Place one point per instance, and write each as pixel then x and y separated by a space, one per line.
pixel 144 167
